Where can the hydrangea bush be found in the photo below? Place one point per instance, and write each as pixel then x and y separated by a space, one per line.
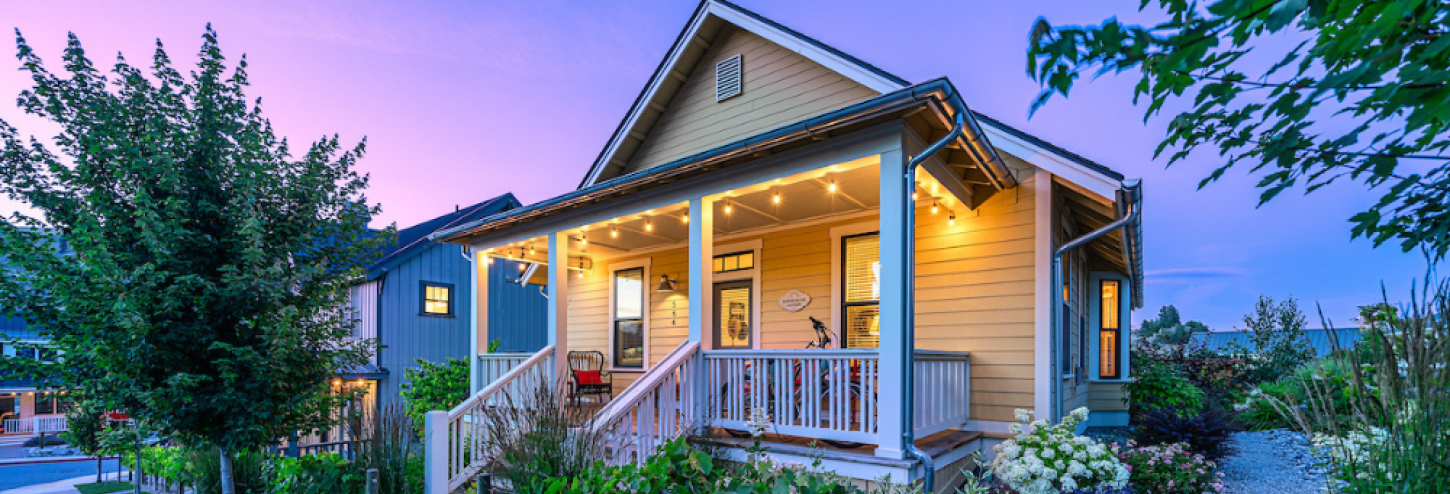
pixel 1354 456
pixel 1170 469
pixel 1048 459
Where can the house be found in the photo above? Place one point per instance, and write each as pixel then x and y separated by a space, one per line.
pixel 960 268
pixel 414 301
pixel 1320 340
pixel 28 406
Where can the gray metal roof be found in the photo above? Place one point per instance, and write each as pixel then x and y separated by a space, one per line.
pixel 1319 339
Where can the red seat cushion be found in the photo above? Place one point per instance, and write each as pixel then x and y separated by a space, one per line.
pixel 588 377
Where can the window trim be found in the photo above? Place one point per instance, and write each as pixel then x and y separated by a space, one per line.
pixel 838 273
pixel 1095 320
pixel 843 303
pixel 423 287
pixel 643 263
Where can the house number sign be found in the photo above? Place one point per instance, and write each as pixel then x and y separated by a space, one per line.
pixel 794 300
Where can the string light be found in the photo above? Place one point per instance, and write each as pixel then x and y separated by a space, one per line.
pixel 531 249
pixel 952 219
pixel 728 209
pixel 488 260
pixel 649 225
pixel 583 239
pixel 831 187
pixel 775 196
pixel 613 232
pixel 934 207
pixel 685 218
pixel 914 193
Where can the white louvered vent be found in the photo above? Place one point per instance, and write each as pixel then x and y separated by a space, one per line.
pixel 727 78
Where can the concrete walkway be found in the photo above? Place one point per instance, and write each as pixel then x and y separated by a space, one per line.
pixel 67 486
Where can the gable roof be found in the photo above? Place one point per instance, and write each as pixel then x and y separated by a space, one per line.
pixel 413 239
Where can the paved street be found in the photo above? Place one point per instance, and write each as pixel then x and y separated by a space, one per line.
pixel 21 475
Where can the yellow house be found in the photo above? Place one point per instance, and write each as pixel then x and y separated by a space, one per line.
pixel 959 269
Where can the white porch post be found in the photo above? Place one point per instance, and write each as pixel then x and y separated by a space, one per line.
pixel 893 307
pixel 477 316
pixel 702 256
pixel 558 317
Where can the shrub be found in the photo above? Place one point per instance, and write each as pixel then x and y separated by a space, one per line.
pixel 434 386
pixel 387 444
pixel 44 440
pixel 536 437
pixel 1159 383
pixel 1279 344
pixel 1206 433
pixel 1170 469
pixel 1047 459
pixel 1255 411
pixel 323 473
pixel 203 470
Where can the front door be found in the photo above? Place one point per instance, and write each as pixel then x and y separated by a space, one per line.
pixel 733 326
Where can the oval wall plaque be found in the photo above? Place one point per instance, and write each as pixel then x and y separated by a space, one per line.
pixel 794 300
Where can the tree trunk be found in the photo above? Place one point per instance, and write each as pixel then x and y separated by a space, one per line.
pixel 226 474
pixel 99 468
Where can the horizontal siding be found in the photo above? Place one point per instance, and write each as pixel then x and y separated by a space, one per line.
pixel 1106 397
pixel 779 87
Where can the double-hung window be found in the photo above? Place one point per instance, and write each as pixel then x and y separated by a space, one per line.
pixel 1110 329
pixel 437 299
pixel 861 287
pixel 629 318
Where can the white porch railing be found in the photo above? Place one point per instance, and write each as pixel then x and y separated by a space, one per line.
pixel 823 394
pixel 659 406
pixel 35 425
pixel 492 366
pixel 456 444
pixel 943 390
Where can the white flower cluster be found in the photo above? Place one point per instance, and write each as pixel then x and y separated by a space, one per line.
pixel 759 422
pixel 1355 452
pixel 1047 459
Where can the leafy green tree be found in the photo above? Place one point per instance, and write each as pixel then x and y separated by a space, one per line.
pixel 1279 343
pixel 206 288
pixel 434 386
pixel 85 425
pixel 1362 97
pixel 1169 328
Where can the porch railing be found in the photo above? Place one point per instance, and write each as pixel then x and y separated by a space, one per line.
pixel 943 390
pixel 492 366
pixel 456 443
pixel 823 394
pixel 35 425
pixel 659 406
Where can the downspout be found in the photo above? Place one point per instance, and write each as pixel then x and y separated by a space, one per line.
pixel 908 241
pixel 1127 195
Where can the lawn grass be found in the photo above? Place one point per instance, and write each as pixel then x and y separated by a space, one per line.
pixel 104 487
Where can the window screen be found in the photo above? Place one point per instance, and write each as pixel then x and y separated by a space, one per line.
pixel 862 290
pixel 629 318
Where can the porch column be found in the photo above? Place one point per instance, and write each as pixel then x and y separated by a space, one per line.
pixel 894 200
pixel 477 316
pixel 558 317
pixel 702 256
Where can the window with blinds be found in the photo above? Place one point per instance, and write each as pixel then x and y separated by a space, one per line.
pixel 437 299
pixel 1110 331
pixel 629 318
pixel 862 290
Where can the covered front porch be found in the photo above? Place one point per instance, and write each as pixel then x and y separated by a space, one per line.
pixel 770 295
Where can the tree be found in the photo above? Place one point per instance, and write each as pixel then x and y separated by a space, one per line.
pixel 1169 328
pixel 205 292
pixel 434 386
pixel 85 425
pixel 1276 331
pixel 1362 97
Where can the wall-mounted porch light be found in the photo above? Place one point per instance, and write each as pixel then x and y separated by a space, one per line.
pixel 667 285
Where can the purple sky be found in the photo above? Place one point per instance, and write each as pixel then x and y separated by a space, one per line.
pixel 463 100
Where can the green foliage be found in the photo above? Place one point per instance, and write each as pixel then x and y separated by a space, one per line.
pixel 104 487
pixel 537 436
pixel 433 386
pixel 85 424
pixel 1169 328
pixel 204 288
pixel 494 345
pixel 1169 469
pixel 1206 433
pixel 324 473
pixel 1362 96
pixel 387 443
pixel 1280 345
pixel 1159 383
pixel 203 470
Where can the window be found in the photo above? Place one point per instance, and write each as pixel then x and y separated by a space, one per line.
pixel 738 261
pixel 629 318
pixel 1110 331
pixel 44 404
pixel 437 299
pixel 861 284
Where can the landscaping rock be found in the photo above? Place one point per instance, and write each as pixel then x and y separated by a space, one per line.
pixel 1276 461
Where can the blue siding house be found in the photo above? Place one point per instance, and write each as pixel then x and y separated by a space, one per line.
pixel 416 298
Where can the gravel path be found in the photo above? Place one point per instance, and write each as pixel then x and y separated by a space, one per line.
pixel 1271 461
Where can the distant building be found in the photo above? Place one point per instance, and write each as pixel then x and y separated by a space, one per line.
pixel 1319 339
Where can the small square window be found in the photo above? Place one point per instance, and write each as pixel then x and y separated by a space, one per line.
pixel 437 299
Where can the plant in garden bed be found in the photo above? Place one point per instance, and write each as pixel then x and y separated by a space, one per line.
pixel 1159 383
pixel 434 386
pixel 1206 433
pixel 323 473
pixel 1047 459
pixel 536 436
pixel 1169 469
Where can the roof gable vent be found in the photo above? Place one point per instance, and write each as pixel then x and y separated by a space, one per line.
pixel 727 78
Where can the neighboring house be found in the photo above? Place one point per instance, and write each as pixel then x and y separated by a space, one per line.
pixel 1319 339
pixel 415 302
pixel 763 179
pixel 27 406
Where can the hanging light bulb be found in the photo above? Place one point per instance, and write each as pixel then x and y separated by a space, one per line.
pixel 531 249
pixel 934 207
pixel 831 187
pixel 613 232
pixel 952 219
pixel 583 239
pixel 649 225
pixel 728 209
pixel 685 218
pixel 914 193
pixel 775 196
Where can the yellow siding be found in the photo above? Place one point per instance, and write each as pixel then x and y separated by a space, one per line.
pixel 974 292
pixel 780 87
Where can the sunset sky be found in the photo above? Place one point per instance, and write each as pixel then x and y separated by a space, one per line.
pixel 464 100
